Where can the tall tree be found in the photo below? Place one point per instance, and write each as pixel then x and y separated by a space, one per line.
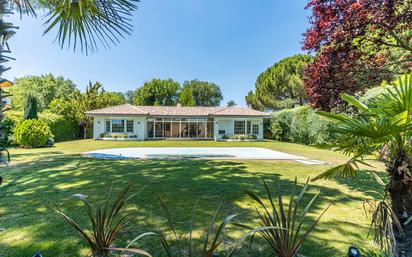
pixel 158 92
pixel 281 85
pixel 204 93
pixel 357 45
pixel 383 125
pixel 111 99
pixel 129 96
pixel 231 103
pixel 254 102
pixel 45 88
pixel 30 109
pixel 186 97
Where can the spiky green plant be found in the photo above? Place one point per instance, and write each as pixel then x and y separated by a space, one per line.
pixel 211 241
pixel 106 222
pixel 283 225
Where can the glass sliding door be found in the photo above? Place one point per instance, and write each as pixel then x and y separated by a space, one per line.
pixel 201 129
pixel 176 129
pixel 159 129
pixel 193 129
pixel 168 129
pixel 209 129
pixel 150 128
pixel 184 129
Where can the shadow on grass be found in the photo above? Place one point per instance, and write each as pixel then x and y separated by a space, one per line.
pixel 53 179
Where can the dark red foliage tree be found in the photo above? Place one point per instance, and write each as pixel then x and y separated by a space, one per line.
pixel 357 44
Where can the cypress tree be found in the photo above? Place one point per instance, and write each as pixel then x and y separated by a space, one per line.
pixel 30 109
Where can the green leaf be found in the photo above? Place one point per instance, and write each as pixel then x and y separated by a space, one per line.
pixel 355 102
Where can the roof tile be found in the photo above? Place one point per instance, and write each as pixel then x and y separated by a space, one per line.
pixel 127 109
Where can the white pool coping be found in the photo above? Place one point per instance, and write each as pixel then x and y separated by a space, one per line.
pixel 215 153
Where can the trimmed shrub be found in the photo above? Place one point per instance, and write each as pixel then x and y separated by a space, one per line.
pixel 32 133
pixel 301 125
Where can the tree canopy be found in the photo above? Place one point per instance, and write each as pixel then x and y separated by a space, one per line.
pixel 44 88
pixel 158 92
pixel 200 93
pixel 357 45
pixel 281 85
pixel 231 103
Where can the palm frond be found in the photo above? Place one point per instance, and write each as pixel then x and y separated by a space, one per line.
pixel 355 102
pixel 86 24
pixel 333 116
pixel 397 99
pixel 25 6
pixel 383 223
pixel 348 169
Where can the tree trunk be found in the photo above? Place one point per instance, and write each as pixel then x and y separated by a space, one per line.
pixel 400 189
pixel 85 128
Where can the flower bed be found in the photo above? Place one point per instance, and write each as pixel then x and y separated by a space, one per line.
pixel 239 138
pixel 118 136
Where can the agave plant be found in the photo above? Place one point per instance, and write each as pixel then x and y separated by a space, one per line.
pixel 212 239
pixel 382 125
pixel 282 225
pixel 106 223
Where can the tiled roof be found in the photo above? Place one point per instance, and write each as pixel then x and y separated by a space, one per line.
pixel 127 109
pixel 124 109
pixel 239 111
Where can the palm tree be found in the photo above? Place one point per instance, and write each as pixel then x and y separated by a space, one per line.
pixel 80 24
pixel 89 100
pixel 384 126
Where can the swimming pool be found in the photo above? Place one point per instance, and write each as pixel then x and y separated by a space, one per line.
pixel 170 153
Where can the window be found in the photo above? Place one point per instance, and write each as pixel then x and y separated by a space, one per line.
pixel 117 125
pixel 150 129
pixel 129 126
pixel 209 129
pixel 255 129
pixel 249 125
pixel 107 126
pixel 222 131
pixel 239 127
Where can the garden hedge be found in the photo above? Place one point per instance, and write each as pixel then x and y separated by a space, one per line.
pixel 301 125
pixel 61 128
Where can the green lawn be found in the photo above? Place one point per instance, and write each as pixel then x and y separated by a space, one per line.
pixel 52 175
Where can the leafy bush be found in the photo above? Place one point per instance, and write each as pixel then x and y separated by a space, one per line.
pixel 301 125
pixel 117 135
pixel 61 128
pixel 239 137
pixel 32 133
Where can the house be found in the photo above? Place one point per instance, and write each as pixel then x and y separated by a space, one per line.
pixel 129 122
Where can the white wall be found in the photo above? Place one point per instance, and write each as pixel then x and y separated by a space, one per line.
pixel 139 125
pixel 228 125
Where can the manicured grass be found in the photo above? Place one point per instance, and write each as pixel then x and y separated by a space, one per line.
pixel 53 175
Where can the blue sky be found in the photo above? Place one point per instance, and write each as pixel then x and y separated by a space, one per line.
pixel 228 42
